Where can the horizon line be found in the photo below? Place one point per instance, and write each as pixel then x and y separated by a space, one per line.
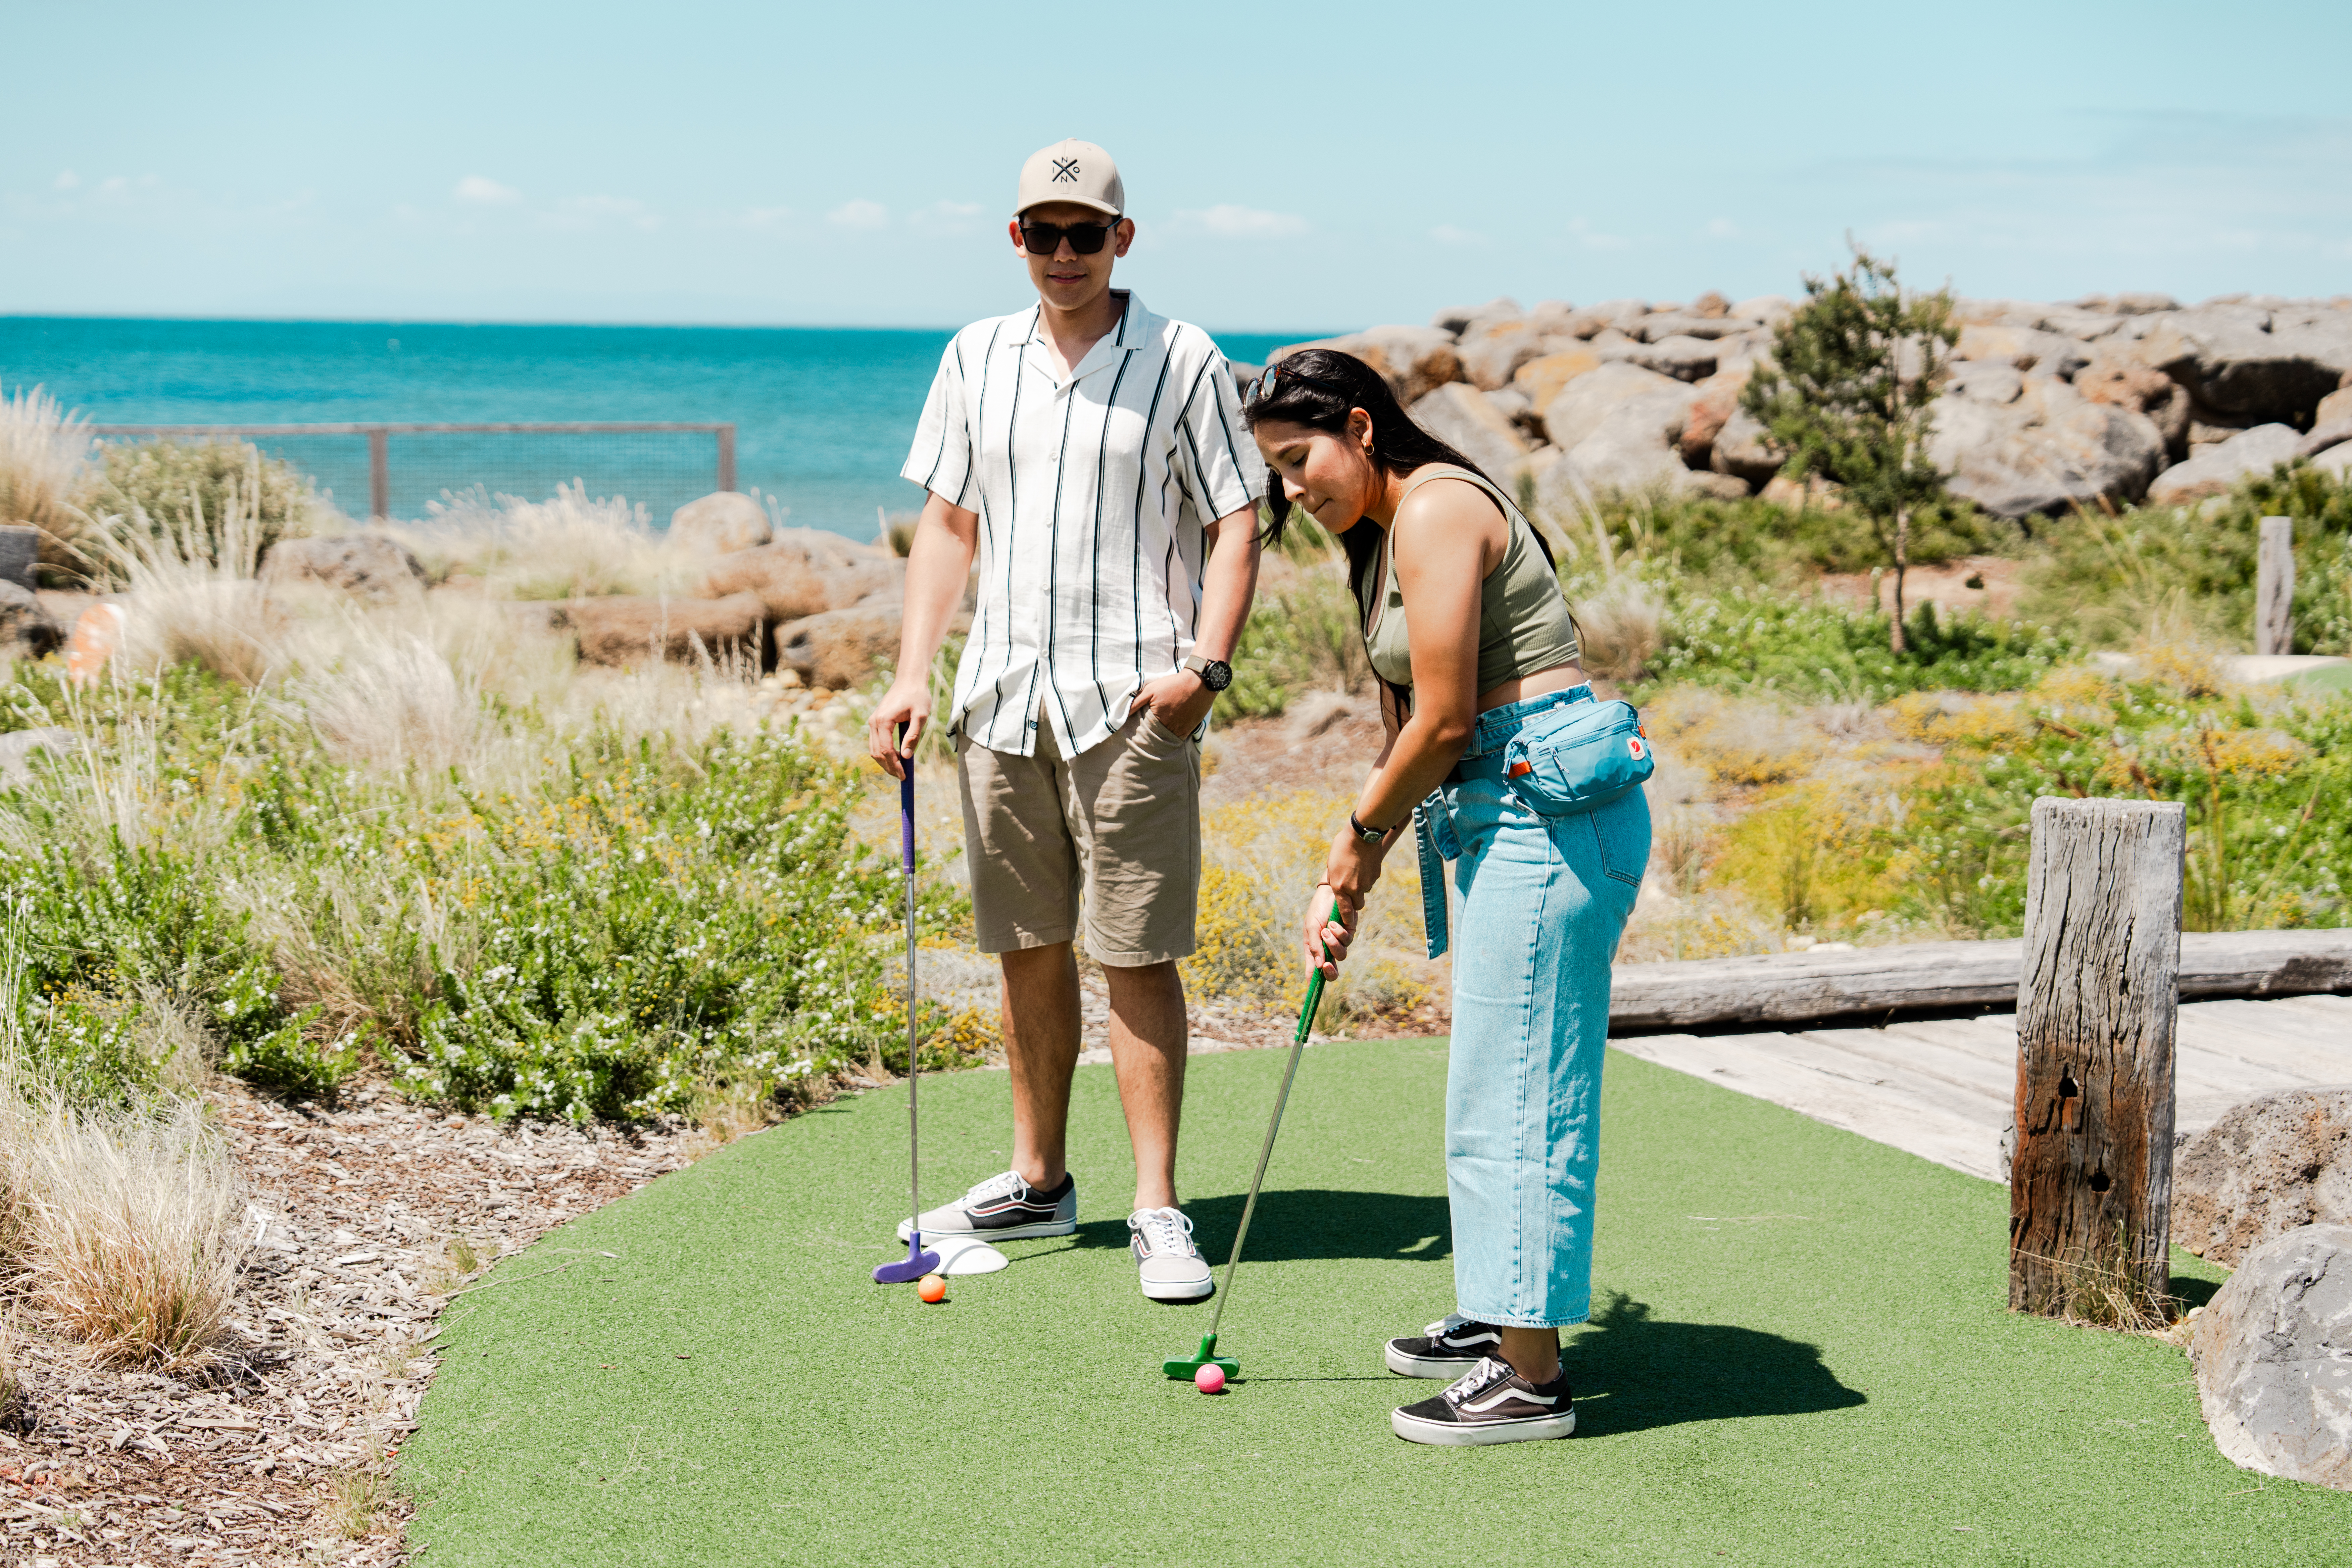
pixel 544 321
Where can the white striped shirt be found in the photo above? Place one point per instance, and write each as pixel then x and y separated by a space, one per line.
pixel 1093 492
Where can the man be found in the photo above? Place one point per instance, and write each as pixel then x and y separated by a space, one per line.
pixel 1092 453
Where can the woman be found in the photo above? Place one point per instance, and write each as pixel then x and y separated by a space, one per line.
pixel 1473 642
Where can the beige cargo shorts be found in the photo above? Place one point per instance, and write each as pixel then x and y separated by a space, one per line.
pixel 1105 844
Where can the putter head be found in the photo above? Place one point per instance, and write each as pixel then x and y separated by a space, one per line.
pixel 1185 1366
pixel 918 1264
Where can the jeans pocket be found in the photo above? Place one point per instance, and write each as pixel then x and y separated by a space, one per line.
pixel 1621 831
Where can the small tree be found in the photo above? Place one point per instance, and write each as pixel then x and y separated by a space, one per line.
pixel 1847 394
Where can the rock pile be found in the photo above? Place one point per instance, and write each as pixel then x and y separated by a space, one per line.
pixel 2114 399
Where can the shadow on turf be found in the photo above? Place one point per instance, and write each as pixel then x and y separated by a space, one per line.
pixel 1307 1222
pixel 1658 1373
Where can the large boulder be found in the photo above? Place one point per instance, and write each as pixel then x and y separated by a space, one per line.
pixel 1769 309
pixel 1414 361
pixel 1467 420
pixel 624 630
pixel 1493 352
pixel 2334 432
pixel 2216 469
pixel 371 565
pixel 1712 403
pixel 1692 324
pixel 721 522
pixel 804 572
pixel 19 747
pixel 1460 318
pixel 842 648
pixel 1542 378
pixel 27 630
pixel 2021 348
pixel 2127 383
pixel 2048 449
pixel 1740 450
pixel 2246 360
pixel 1680 355
pixel 2263 1169
pixel 2336 406
pixel 2273 1357
pixel 1642 397
pixel 1620 428
pixel 2127 304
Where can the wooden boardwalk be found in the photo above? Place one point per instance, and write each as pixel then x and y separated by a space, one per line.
pixel 1942 1089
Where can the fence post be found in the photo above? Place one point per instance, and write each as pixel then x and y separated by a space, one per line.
pixel 2274 588
pixel 726 457
pixel 379 472
pixel 2090 1185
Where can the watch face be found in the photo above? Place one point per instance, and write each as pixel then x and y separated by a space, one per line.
pixel 1217 675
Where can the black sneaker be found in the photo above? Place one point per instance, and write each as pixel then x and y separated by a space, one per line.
pixel 1492 1404
pixel 1444 1349
pixel 1007 1208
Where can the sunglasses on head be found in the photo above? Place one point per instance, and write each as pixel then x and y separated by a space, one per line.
pixel 1045 238
pixel 1263 386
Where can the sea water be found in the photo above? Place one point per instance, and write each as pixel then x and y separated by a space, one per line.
pixel 822 416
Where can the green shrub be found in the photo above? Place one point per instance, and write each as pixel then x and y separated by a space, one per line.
pixel 2268 787
pixel 2166 571
pixel 1813 650
pixel 1299 637
pixel 1701 542
pixel 189 487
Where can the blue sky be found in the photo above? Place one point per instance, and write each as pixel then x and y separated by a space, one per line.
pixel 1290 166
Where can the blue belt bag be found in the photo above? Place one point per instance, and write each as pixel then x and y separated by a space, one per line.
pixel 1574 759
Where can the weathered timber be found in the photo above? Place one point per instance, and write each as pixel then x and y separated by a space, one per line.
pixel 2274 588
pixel 1801 987
pixel 2090 1194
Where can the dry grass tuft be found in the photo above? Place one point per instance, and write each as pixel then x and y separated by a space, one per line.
pixel 1622 628
pixel 192 588
pixel 2097 1288
pixel 130 1228
pixel 354 1500
pixel 390 699
pixel 570 547
pixel 44 469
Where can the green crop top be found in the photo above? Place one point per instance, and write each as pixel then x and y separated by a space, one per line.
pixel 1523 624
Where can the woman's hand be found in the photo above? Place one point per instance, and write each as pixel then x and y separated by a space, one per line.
pixel 1330 926
pixel 1352 868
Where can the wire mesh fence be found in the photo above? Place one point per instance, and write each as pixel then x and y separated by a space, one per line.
pixel 398 470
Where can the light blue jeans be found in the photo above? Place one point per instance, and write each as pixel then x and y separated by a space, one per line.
pixel 1544 901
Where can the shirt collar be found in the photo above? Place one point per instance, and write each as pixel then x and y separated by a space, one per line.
pixel 1127 337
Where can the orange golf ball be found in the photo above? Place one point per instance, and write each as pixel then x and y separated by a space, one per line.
pixel 933 1288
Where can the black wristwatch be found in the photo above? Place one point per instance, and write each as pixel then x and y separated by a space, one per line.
pixel 1215 673
pixel 1367 835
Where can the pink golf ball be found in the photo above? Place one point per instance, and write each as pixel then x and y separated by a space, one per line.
pixel 1209 1379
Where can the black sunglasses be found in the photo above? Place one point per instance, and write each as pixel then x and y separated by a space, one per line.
pixel 1045 238
pixel 1261 386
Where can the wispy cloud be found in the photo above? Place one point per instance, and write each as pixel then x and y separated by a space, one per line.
pixel 947 217
pixel 1446 234
pixel 603 212
pixel 1722 228
pixel 860 216
pixel 1583 233
pixel 1227 221
pixel 66 180
pixel 481 191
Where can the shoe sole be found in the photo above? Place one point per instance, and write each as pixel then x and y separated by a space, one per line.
pixel 1456 1434
pixel 1179 1290
pixel 1006 1233
pixel 1405 1365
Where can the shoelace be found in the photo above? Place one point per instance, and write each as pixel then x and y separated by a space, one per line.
pixel 1487 1372
pixel 1165 1230
pixel 1008 1186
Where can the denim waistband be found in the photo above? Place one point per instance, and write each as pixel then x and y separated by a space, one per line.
pixel 1498 725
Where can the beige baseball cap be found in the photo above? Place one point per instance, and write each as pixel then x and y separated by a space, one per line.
pixel 1071 170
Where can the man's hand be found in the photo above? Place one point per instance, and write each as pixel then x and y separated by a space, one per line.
pixel 1178 700
pixel 908 703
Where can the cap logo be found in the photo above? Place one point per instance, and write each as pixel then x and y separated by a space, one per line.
pixel 1066 169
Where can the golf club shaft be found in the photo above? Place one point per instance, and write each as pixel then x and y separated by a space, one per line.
pixel 1266 1152
pixel 907 861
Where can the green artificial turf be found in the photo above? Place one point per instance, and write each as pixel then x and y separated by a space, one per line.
pixel 1800 1355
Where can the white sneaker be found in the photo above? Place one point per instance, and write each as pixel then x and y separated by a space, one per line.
pixel 1172 1268
pixel 1005 1208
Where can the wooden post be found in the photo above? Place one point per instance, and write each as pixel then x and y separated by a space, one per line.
pixel 2090 1186
pixel 727 457
pixel 379 472
pixel 2274 588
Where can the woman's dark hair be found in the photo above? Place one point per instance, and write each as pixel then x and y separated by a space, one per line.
pixel 1317 388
